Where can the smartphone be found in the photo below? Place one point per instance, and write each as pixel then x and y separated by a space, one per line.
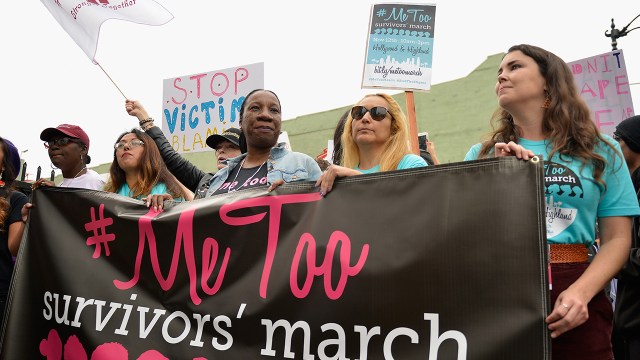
pixel 423 138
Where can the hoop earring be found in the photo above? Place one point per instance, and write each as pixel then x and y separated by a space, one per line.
pixel 547 100
pixel 81 158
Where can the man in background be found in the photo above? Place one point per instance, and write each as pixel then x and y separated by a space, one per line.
pixel 626 318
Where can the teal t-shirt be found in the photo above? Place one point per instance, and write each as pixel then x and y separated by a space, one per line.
pixel 574 200
pixel 158 189
pixel 408 161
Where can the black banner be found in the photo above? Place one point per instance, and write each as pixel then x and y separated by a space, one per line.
pixel 447 262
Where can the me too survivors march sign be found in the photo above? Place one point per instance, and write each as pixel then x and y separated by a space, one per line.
pixel 446 262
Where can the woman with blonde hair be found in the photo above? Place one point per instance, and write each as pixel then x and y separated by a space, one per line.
pixel 375 138
pixel 138 170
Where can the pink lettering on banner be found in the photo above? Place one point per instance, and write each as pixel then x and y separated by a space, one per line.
pixel 275 209
pixel 99 228
pixel 325 269
pixel 184 238
pixel 211 250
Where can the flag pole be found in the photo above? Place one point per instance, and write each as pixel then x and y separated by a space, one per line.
pixel 413 124
pixel 114 83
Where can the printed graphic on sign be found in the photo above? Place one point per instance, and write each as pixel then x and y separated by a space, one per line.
pixel 400 47
pixel 560 182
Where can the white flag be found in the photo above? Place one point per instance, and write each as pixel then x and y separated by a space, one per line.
pixel 82 19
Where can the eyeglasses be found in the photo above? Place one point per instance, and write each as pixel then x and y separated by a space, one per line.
pixel 131 144
pixel 378 113
pixel 61 142
pixel 616 136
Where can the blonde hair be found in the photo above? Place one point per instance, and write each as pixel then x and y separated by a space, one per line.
pixel 395 148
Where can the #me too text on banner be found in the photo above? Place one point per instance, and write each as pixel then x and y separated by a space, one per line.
pixel 409 264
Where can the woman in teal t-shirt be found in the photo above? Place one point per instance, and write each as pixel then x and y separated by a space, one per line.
pixel 138 170
pixel 587 186
pixel 375 138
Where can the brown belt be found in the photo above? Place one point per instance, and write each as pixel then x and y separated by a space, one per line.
pixel 568 253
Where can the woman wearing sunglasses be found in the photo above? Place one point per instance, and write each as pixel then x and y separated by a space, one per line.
pixel 68 148
pixel 138 170
pixel 375 138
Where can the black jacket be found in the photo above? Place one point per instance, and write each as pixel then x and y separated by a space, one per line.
pixel 627 313
pixel 187 173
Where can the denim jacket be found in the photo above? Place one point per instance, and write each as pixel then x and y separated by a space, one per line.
pixel 282 164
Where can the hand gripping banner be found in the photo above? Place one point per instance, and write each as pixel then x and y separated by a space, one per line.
pixel 447 262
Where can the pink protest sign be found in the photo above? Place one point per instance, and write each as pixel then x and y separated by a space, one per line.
pixel 603 83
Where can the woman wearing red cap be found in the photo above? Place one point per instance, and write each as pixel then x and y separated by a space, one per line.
pixel 11 224
pixel 68 148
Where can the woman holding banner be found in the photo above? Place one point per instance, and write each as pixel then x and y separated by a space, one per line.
pixel 137 169
pixel 264 162
pixel 588 186
pixel 11 224
pixel 375 138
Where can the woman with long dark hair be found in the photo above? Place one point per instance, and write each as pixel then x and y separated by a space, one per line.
pixel 587 187
pixel 12 226
pixel 138 171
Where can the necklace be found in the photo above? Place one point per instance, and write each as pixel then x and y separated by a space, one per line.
pixel 246 181
pixel 73 178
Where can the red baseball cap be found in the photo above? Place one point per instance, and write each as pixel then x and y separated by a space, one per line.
pixel 73 131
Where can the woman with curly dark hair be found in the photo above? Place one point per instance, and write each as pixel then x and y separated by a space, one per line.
pixel 138 170
pixel 11 224
pixel 587 187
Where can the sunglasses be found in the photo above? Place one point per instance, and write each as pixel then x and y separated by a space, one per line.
pixel 131 144
pixel 378 113
pixel 61 142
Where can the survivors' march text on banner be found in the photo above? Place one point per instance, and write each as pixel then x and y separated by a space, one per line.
pixel 409 264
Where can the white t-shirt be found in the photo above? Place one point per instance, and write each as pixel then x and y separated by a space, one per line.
pixel 88 180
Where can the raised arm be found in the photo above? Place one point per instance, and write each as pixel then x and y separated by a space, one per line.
pixel 187 173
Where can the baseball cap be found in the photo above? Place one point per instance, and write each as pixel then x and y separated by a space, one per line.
pixel 231 134
pixel 73 131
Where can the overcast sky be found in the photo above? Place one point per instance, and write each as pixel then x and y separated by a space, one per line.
pixel 313 54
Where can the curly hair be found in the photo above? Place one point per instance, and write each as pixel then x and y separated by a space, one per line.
pixel 152 170
pixel 566 122
pixel 8 177
pixel 395 148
